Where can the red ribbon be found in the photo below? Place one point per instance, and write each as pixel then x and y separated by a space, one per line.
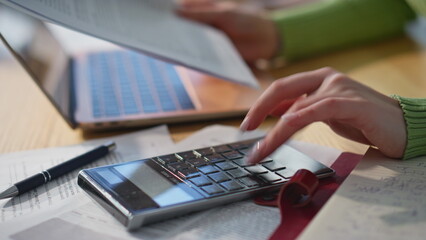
pixel 302 197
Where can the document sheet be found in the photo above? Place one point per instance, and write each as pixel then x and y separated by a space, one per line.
pixel 149 26
pixel 72 211
pixel 382 199
pixel 63 191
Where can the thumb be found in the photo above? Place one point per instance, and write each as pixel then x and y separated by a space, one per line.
pixel 205 11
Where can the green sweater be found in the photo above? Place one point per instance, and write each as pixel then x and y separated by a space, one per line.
pixel 415 119
pixel 332 24
pixel 328 25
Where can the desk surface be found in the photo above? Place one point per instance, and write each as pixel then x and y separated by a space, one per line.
pixel 29 121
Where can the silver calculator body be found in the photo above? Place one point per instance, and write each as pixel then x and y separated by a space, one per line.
pixel 155 189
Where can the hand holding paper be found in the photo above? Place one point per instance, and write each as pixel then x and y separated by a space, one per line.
pixel 149 26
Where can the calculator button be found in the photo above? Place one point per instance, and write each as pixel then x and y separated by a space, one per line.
pixel 245 151
pixel 285 173
pixel 197 162
pixel 205 151
pixel 208 169
pixel 241 162
pixel 248 182
pixel 187 155
pixel 219 177
pixel 214 158
pixel 233 155
pixel 226 165
pixel 273 165
pixel 243 145
pixel 256 169
pixel 231 185
pixel 222 149
pixel 267 159
pixel 237 173
pixel 178 166
pixel 270 177
pixel 200 181
pixel 166 159
pixel 212 189
pixel 188 173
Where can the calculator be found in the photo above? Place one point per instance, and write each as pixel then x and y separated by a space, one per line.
pixel 158 188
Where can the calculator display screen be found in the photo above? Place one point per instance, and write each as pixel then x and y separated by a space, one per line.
pixel 142 185
pixel 156 186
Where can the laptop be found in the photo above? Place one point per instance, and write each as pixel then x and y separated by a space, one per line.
pixel 106 87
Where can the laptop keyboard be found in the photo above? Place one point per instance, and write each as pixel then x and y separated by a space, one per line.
pixel 222 169
pixel 125 83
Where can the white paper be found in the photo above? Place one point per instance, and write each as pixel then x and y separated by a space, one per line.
pixel 238 221
pixel 381 199
pixel 244 220
pixel 63 191
pixel 150 26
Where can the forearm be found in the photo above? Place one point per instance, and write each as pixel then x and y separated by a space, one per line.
pixel 415 119
pixel 334 24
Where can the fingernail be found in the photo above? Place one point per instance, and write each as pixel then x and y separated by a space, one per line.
pixel 245 124
pixel 254 154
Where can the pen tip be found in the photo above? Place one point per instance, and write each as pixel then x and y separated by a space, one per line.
pixel 10 192
pixel 111 146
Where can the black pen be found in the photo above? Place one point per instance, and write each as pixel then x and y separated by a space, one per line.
pixel 57 171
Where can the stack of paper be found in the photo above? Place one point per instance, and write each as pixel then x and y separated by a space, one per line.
pixel 382 199
pixel 60 208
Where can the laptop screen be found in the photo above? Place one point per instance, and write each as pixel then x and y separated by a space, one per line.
pixel 41 55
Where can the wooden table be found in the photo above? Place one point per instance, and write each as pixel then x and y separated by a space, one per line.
pixel 29 121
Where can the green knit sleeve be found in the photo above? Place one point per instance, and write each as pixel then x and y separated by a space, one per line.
pixel 328 25
pixel 415 117
pixel 419 6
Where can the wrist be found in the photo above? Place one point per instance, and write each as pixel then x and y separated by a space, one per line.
pixel 414 111
pixel 275 59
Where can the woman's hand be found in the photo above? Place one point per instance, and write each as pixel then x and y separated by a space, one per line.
pixel 351 109
pixel 254 36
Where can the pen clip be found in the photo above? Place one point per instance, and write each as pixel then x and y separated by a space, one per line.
pixel 111 146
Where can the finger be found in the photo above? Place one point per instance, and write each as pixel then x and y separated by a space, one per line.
pixel 193 3
pixel 210 12
pixel 282 107
pixel 246 45
pixel 285 89
pixel 207 16
pixel 334 85
pixel 327 109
